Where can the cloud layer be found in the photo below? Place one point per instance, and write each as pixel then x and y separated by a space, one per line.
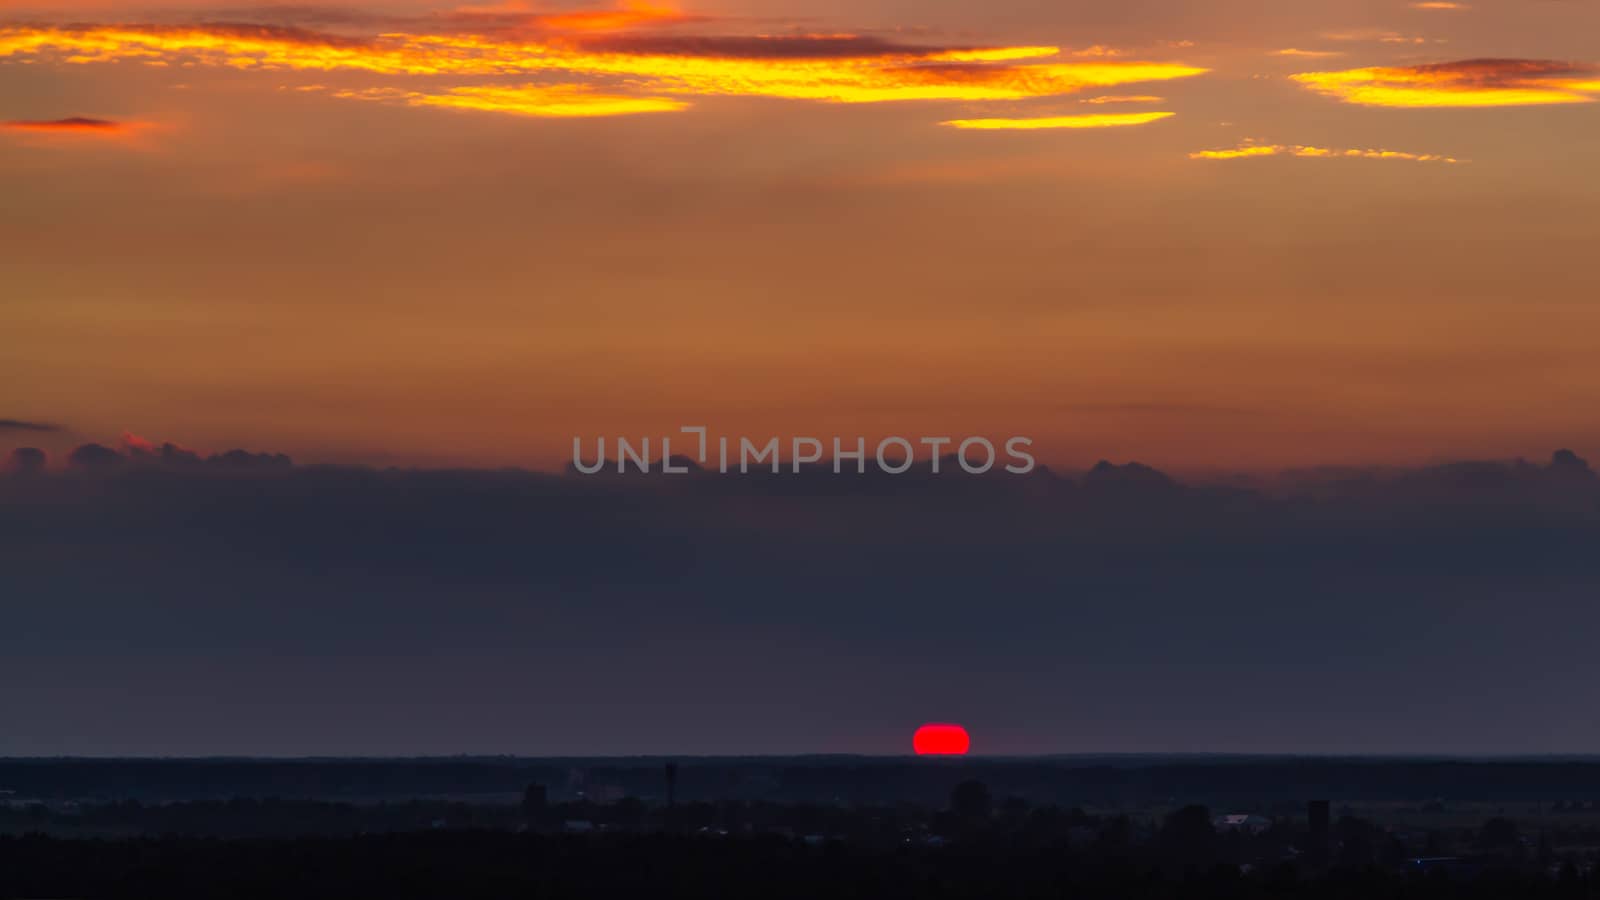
pixel 1252 150
pixel 261 607
pixel 20 425
pixel 1467 83
pixel 1105 120
pixel 71 125
pixel 596 72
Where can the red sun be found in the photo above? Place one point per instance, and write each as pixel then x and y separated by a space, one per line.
pixel 941 740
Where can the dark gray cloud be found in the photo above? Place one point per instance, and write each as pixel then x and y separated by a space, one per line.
pixel 26 460
pixel 261 607
pixel 135 449
pixel 1506 72
pixel 71 123
pixel 20 425
pixel 92 456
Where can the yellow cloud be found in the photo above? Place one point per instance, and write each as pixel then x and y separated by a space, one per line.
pixel 1257 151
pixel 1108 120
pixel 1138 98
pixel 826 69
pixel 1469 83
pixel 541 100
pixel 1241 152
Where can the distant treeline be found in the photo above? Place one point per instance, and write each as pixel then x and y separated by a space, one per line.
pixel 1068 781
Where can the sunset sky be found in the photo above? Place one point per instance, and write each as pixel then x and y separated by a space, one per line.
pixel 1237 234
pixel 1295 255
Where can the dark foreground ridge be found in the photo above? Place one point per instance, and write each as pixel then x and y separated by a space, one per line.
pixel 810 827
pixel 473 864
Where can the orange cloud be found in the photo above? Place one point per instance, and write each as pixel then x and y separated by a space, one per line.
pixel 632 14
pixel 540 100
pixel 74 127
pixel 1439 5
pixel 1098 50
pixel 1468 83
pixel 133 443
pixel 1243 151
pixel 1308 54
pixel 1251 150
pixel 1138 98
pixel 832 68
pixel 1376 35
pixel 1107 120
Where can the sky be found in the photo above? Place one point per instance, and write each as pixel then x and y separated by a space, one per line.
pixel 302 308
pixel 1221 236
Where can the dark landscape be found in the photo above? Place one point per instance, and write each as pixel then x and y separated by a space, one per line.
pixel 1118 826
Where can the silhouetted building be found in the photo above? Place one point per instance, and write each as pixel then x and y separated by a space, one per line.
pixel 535 799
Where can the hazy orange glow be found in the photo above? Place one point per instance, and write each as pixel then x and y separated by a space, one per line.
pixel 1470 83
pixel 1256 151
pixel 1105 120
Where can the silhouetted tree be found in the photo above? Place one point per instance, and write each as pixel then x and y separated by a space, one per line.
pixel 1115 837
pixel 970 802
pixel 1188 837
pixel 1499 835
